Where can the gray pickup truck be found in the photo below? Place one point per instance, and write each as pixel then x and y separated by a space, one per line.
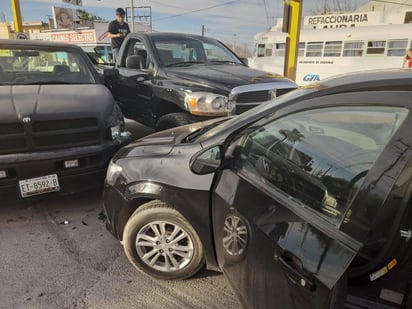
pixel 59 124
pixel 171 79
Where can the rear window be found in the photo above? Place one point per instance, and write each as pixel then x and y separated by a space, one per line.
pixel 31 66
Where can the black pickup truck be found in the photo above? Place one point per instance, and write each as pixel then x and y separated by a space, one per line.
pixel 171 79
pixel 59 124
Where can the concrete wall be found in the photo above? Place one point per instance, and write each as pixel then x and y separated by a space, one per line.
pixel 7 29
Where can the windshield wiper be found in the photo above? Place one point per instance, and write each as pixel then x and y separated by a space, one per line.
pixel 192 136
pixel 184 63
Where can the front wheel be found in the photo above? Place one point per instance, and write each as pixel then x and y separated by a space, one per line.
pixel 172 120
pixel 159 241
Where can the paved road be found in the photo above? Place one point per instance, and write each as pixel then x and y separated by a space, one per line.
pixel 56 253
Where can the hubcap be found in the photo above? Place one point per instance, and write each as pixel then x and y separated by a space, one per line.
pixel 234 236
pixel 164 246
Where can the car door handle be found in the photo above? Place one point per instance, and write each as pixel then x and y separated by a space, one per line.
pixel 296 275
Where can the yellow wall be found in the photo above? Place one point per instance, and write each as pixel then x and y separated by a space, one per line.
pixel 4 31
pixel 35 27
pixel 7 32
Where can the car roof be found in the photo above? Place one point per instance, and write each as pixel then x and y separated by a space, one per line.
pixel 36 43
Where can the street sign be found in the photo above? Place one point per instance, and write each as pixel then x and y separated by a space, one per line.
pixel 21 36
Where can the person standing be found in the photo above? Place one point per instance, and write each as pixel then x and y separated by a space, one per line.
pixel 407 60
pixel 118 29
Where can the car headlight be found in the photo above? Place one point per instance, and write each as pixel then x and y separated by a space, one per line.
pixel 208 104
pixel 115 132
pixel 113 172
pixel 272 94
pixel 115 123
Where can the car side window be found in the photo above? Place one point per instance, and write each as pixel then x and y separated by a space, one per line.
pixel 319 157
pixel 136 56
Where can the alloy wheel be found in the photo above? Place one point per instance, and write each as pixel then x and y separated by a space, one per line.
pixel 235 235
pixel 164 246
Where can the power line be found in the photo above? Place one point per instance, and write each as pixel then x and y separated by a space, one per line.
pixel 266 12
pixel 165 4
pixel 392 2
pixel 194 11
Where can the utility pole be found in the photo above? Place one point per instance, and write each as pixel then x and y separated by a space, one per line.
pixel 203 30
pixel 144 15
pixel 292 16
pixel 234 42
pixel 15 6
pixel 132 15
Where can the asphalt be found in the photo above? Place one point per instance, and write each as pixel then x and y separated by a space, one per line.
pixel 57 253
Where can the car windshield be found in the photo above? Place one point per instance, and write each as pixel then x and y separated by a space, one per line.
pixel 20 66
pixel 188 51
pixel 101 54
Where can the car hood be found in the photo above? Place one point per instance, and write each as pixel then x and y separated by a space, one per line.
pixel 42 102
pixel 222 76
pixel 161 143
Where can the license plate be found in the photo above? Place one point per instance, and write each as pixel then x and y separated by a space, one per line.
pixel 39 185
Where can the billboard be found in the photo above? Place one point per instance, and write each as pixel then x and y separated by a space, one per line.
pixel 98 35
pixel 74 2
pixel 74 37
pixel 63 18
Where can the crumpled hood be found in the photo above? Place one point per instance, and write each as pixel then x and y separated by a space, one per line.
pixel 221 76
pixel 43 102
pixel 161 143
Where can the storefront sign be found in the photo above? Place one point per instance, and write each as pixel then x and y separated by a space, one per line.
pixel 87 36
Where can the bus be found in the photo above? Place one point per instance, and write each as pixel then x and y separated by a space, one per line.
pixel 338 43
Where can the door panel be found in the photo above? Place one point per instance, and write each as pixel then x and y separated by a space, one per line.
pixel 134 94
pixel 290 191
pixel 287 262
pixel 134 88
pixel 278 214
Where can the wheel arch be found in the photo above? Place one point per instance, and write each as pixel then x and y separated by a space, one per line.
pixel 163 107
pixel 141 193
pixel 126 212
pixel 161 242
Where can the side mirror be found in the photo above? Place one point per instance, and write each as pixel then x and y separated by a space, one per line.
pixel 110 75
pixel 207 161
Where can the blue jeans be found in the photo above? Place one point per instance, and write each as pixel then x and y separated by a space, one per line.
pixel 115 52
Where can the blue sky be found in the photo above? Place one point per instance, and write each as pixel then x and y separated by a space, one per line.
pixel 232 21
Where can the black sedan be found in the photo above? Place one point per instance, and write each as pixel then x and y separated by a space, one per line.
pixel 303 202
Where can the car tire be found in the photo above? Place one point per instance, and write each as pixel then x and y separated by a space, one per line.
pixel 172 120
pixel 159 241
